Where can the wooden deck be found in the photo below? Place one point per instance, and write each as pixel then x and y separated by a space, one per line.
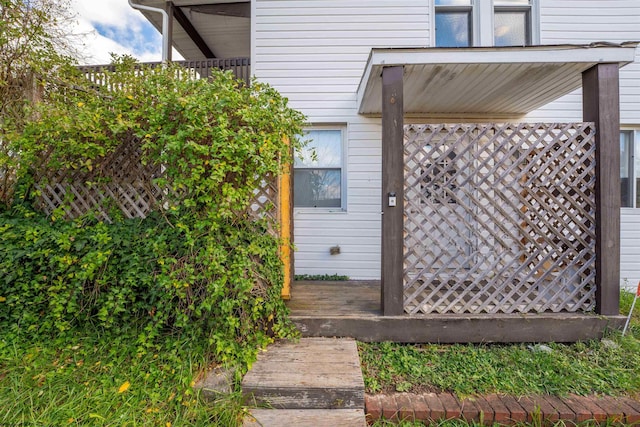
pixel 352 309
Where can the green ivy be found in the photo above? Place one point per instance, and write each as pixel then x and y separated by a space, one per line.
pixel 197 266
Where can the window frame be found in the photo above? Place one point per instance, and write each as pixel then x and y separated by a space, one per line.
pixel 471 9
pixel 632 186
pixel 343 170
pixel 483 21
pixel 516 9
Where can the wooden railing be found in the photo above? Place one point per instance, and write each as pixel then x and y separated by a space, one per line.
pixel 241 68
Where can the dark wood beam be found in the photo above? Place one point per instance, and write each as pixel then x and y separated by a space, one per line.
pixel 392 187
pixel 238 9
pixel 191 31
pixel 453 328
pixel 169 8
pixel 601 105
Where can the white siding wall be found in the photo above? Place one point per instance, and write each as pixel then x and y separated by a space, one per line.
pixel 314 52
pixel 630 248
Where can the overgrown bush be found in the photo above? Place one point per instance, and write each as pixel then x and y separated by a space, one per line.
pixel 198 266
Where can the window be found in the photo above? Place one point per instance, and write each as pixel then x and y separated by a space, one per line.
pixel 454 23
pixel 629 169
pixel 318 176
pixel 462 23
pixel 512 23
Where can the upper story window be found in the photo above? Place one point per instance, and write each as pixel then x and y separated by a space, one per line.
pixel 318 178
pixel 629 169
pixel 512 22
pixel 454 23
pixel 461 23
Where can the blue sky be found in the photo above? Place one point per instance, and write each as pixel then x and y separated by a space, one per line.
pixel 112 26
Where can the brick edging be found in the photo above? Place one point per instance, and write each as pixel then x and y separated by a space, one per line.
pixel 501 409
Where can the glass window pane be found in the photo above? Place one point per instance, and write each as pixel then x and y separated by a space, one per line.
pixel 453 29
pixel 453 2
pixel 323 149
pixel 317 188
pixel 625 160
pixel 510 28
pixel 636 168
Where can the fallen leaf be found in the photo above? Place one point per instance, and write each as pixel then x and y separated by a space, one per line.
pixel 124 387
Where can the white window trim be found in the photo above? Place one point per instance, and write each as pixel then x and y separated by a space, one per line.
pixel 634 139
pixel 483 21
pixel 343 128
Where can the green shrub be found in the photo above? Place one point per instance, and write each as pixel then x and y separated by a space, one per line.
pixel 199 266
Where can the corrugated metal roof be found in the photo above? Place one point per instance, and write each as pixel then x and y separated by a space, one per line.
pixel 484 83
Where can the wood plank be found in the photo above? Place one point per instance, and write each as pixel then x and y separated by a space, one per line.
pixel 544 327
pixel 392 184
pixel 305 417
pixel 317 373
pixel 601 105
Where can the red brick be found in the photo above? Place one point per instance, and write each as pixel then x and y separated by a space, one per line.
pixel 597 413
pixel 436 408
pixel 547 411
pixel 614 410
pixel 372 407
pixel 501 413
pixel 470 411
pixel 420 408
pixel 452 409
pixel 405 407
pixel 564 412
pixel 583 413
pixel 531 408
pixel 517 413
pixel 389 407
pixel 632 413
pixel 487 414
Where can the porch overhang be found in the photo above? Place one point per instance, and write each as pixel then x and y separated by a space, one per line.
pixel 205 29
pixel 484 83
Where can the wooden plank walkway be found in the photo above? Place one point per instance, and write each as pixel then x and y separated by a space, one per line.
pixel 352 309
pixel 306 417
pixel 314 382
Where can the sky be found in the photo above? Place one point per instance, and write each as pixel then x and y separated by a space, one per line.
pixel 112 26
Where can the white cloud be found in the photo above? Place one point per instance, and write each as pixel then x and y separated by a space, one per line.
pixel 112 26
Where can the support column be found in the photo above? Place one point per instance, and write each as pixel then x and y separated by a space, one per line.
pixel 392 186
pixel 169 8
pixel 601 105
pixel 285 214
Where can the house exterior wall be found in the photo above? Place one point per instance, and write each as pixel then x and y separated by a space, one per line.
pixel 315 51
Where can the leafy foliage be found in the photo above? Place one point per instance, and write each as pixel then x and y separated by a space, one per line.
pixel 199 266
pixel 33 47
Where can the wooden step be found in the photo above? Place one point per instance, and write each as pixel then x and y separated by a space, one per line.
pixel 305 418
pixel 314 373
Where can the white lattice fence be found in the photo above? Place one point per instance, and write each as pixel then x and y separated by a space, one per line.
pixel 499 218
pixel 122 182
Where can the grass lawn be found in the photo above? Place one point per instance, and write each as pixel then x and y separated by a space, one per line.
pixel 85 378
pixel 610 366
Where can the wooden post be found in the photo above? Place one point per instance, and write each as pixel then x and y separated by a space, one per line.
pixel 285 195
pixel 392 186
pixel 169 7
pixel 601 104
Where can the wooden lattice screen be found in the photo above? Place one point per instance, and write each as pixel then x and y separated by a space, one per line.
pixel 499 218
pixel 122 182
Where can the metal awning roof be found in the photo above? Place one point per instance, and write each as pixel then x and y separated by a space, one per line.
pixel 207 28
pixel 482 82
